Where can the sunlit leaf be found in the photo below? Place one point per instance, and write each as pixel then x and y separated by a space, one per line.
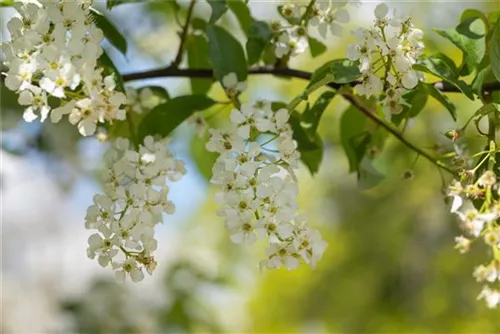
pixel 316 47
pixel 343 71
pixel 219 7
pixel 259 35
pixel 226 53
pixel 110 31
pixel 165 118
pixel 197 53
pixel 495 51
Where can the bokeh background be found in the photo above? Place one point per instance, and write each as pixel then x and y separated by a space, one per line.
pixel 390 265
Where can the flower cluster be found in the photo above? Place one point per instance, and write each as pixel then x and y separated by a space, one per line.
pixel 291 37
pixel 135 197
pixel 388 49
pixel 480 225
pixel 142 100
pixel 258 189
pixel 53 52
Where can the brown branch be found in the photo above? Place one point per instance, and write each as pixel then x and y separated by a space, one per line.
pixel 185 29
pixel 171 72
pixel 393 131
pixel 293 73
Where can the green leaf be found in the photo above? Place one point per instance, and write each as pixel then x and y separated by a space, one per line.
pixel 165 118
pixel 158 91
pixel 495 51
pixel 414 101
pixel 313 158
pixel 443 67
pixel 6 3
pixel 311 149
pixel 197 53
pixel 443 99
pixel 110 31
pixel 242 13
pixel 471 13
pixel 113 3
pixel 311 117
pixel 343 71
pixel 219 7
pixel 123 128
pixel 203 159
pixel 305 143
pixel 487 109
pixel 474 49
pixel 368 176
pixel 198 24
pixel 109 68
pixel 353 136
pixel 226 53
pixel 316 47
pixel 259 35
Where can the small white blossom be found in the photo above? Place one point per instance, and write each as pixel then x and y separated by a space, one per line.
pixel 53 51
pixel 231 84
pixel 136 196
pixel 257 188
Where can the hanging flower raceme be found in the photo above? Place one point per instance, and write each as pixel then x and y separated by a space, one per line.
pixel 134 200
pixel 258 188
pixel 291 36
pixel 53 52
pixel 480 225
pixel 386 53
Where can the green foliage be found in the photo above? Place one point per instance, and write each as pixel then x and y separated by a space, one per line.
pixel 197 52
pixel 443 99
pixel 110 31
pixel 165 118
pixel 242 13
pixel 109 68
pixel 468 37
pixel 311 117
pixel 414 101
pixel 368 175
pixel 219 7
pixel 353 136
pixel 226 53
pixel 310 147
pixel 443 67
pixel 316 47
pixel 259 35
pixel 495 51
pixel 110 4
pixel 343 71
pixel 203 159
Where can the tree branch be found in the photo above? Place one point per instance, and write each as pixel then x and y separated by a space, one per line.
pixel 185 29
pixel 368 113
pixel 289 72
pixel 173 72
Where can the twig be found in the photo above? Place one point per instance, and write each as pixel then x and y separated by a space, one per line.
pixel 185 29
pixel 284 72
pixel 368 113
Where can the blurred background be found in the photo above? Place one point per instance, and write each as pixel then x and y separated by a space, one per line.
pixel 390 265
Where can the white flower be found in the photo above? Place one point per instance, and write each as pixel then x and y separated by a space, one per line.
pixel 492 297
pixel 289 43
pixel 36 99
pixel 57 43
pixel 231 84
pixel 381 11
pixel 475 221
pixel 136 196
pixel 281 254
pixel 257 190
